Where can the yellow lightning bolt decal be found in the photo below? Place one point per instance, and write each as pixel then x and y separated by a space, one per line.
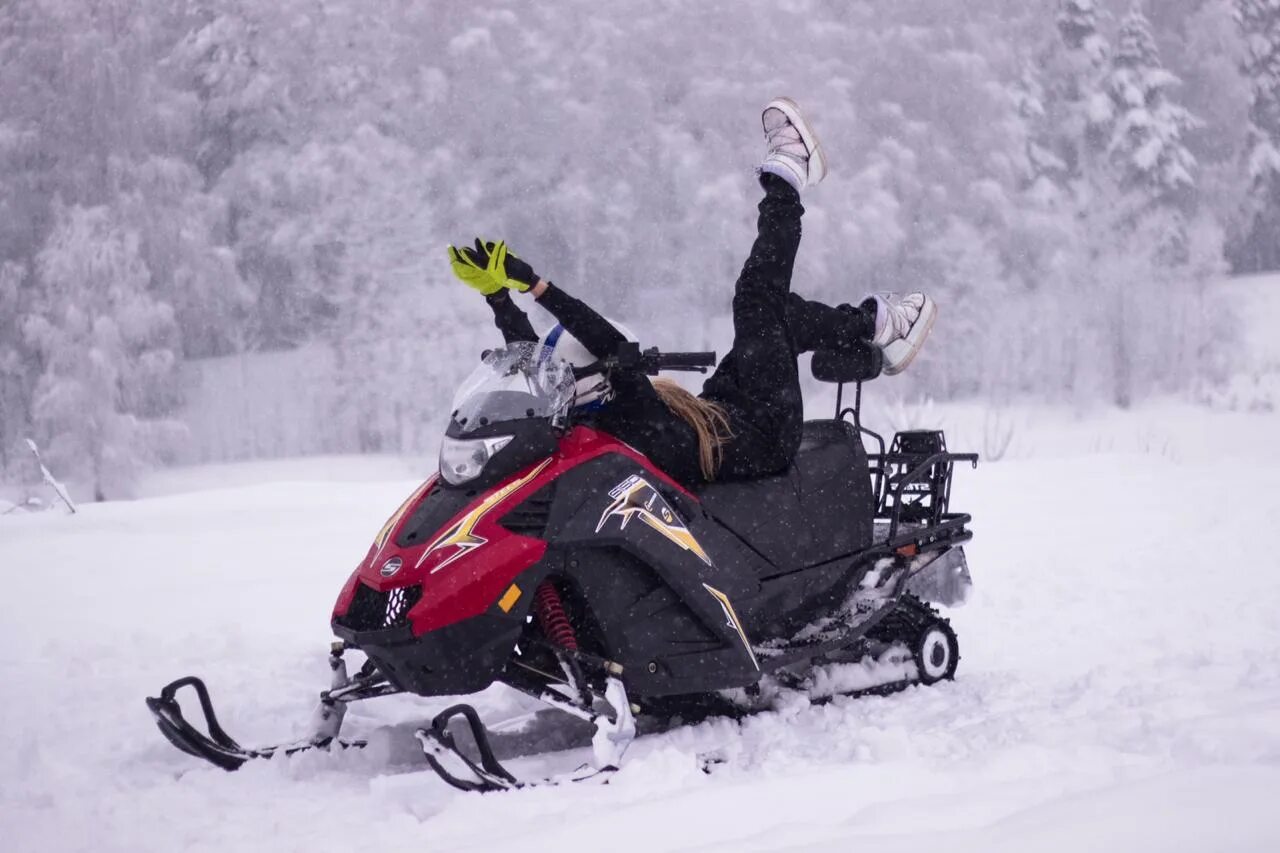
pixel 461 534
pixel 630 502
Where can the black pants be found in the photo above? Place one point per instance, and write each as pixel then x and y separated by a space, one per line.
pixel 758 382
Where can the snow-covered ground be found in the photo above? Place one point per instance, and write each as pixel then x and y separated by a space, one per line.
pixel 1119 688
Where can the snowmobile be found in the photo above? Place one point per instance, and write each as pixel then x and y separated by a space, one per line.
pixel 550 557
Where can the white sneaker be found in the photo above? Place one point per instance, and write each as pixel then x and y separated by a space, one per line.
pixel 901 328
pixel 794 153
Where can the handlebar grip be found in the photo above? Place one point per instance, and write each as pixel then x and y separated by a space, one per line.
pixel 687 359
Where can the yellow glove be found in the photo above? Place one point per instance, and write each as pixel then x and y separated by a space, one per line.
pixel 469 266
pixel 506 269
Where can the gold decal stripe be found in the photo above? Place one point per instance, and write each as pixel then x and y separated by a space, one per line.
pixel 381 538
pixel 678 535
pixel 460 534
pixel 734 622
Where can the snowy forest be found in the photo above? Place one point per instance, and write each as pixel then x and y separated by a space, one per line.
pixel 205 202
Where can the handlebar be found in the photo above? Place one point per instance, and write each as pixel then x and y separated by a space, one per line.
pixel 698 361
pixel 650 361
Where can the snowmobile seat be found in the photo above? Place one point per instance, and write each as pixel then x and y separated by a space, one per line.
pixel 818 510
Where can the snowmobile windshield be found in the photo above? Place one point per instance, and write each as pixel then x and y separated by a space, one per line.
pixel 518 381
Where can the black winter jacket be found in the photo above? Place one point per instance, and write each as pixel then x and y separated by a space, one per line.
pixel 637 415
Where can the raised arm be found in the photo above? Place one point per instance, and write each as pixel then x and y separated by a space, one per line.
pixel 596 333
pixel 469 267
pixel 510 320
pixel 492 268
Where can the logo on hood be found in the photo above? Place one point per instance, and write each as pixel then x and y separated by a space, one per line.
pixel 390 567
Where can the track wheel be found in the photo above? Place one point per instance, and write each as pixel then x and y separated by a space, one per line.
pixel 936 652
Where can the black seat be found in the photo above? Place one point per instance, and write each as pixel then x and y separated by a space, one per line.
pixel 821 508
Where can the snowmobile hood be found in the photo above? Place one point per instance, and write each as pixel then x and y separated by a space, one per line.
pixel 450 551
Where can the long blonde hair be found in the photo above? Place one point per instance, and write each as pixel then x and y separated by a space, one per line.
pixel 707 418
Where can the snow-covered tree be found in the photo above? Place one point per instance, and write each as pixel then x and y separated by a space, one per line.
pixel 1260 24
pixel 1058 92
pixel 290 170
pixel 1077 22
pixel 1142 201
pixel 224 61
pixel 1147 146
pixel 14 390
pixel 107 351
pixel 184 235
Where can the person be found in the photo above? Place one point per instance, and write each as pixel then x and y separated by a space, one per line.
pixel 747 422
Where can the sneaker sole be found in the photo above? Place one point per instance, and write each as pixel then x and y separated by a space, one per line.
pixel 928 314
pixel 791 110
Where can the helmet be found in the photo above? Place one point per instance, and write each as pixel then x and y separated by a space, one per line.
pixel 592 392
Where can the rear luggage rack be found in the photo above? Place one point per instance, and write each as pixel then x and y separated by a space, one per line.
pixel 913 483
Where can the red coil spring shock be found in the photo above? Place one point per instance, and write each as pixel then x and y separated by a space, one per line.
pixel 551 616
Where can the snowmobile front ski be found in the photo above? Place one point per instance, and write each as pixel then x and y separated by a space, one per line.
pixel 615 730
pixel 217 747
pixel 220 749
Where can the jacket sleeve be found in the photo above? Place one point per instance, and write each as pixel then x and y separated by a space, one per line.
pixel 510 320
pixel 599 336
pixel 595 332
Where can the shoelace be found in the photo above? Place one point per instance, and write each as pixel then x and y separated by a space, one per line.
pixel 789 136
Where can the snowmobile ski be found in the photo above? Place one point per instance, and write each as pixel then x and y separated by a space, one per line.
pixel 217 747
pixel 220 749
pixel 614 733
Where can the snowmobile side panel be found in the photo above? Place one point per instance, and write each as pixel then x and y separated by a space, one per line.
pixel 663 582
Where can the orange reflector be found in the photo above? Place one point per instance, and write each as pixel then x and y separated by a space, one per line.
pixel 509 598
pixel 909 550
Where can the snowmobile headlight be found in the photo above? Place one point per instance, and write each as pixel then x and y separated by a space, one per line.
pixel 463 459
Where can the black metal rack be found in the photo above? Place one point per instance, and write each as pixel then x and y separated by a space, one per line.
pixel 913 481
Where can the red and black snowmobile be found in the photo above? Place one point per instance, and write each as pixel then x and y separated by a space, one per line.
pixel 552 558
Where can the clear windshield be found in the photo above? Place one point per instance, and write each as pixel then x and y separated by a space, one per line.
pixel 521 380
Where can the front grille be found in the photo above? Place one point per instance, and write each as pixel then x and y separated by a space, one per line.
pixel 373 611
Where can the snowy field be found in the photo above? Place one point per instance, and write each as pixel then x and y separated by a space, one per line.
pixel 1119 688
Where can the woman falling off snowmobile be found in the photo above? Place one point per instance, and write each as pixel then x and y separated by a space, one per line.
pixel 747 421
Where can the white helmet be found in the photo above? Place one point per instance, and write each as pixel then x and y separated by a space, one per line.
pixel 591 392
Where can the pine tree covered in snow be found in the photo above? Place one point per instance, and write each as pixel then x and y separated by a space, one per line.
pixel 1077 22
pixel 1057 91
pixel 1260 25
pixel 1134 246
pixel 1146 144
pixel 1144 196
